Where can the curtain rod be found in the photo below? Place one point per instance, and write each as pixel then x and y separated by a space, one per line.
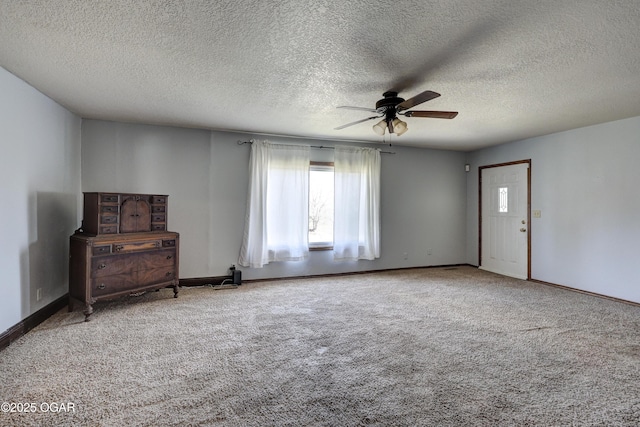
pixel 315 146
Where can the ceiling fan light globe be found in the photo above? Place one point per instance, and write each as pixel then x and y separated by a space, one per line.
pixel 399 127
pixel 380 127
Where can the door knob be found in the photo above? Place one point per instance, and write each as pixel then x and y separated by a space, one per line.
pixel 523 229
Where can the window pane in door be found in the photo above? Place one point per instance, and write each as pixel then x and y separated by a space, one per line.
pixel 504 200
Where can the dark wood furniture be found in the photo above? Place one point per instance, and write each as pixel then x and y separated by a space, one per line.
pixel 105 267
pixel 122 248
pixel 115 213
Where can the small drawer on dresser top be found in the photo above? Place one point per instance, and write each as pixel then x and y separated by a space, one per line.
pixel 158 200
pixel 170 243
pixel 137 246
pixel 158 217
pixel 108 198
pixel 108 229
pixel 158 209
pixel 101 250
pixel 108 219
pixel 106 209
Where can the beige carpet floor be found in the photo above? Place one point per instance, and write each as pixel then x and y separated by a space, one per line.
pixel 421 347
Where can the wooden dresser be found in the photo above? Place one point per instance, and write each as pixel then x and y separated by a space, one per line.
pixel 122 248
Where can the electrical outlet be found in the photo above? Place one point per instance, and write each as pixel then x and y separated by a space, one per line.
pixel 429 251
pixel 405 255
pixel 38 294
pixel 537 214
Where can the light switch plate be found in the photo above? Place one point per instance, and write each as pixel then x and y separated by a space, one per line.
pixel 537 214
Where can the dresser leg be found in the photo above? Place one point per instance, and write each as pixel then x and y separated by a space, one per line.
pixel 87 312
pixel 70 304
pixel 175 291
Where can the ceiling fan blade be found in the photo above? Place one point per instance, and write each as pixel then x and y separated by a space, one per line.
pixel 356 122
pixel 371 110
pixel 432 114
pixel 425 96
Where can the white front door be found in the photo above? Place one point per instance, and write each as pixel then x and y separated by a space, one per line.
pixel 504 212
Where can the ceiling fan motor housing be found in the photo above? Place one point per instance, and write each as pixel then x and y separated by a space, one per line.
pixel 389 102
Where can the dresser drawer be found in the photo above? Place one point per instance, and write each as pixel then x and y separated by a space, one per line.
pixel 108 198
pixel 113 264
pixel 101 250
pixel 112 284
pixel 108 229
pixel 137 246
pixel 158 217
pixel 156 275
pixel 155 259
pixel 108 219
pixel 109 209
pixel 158 209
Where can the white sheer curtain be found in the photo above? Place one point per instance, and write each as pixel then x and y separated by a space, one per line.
pixel 357 203
pixel 277 218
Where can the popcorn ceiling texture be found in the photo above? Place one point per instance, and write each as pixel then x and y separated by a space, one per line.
pixel 512 68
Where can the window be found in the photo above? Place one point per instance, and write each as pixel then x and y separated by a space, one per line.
pixel 321 186
pixel 504 200
pixel 278 225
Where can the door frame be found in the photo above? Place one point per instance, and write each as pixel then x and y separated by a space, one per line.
pixel 497 165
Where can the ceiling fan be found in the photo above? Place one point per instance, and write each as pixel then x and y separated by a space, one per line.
pixel 392 105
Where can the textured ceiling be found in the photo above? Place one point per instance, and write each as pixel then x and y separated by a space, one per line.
pixel 513 68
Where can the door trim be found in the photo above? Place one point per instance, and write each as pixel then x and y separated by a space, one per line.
pixel 497 165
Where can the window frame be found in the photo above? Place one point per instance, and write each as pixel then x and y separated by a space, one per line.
pixel 321 166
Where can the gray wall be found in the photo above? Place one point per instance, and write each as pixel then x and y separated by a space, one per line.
pixel 585 183
pixel 39 189
pixel 120 157
pixel 206 175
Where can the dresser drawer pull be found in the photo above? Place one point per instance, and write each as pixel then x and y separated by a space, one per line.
pixel 101 266
pixel 101 286
pixel 169 274
pixel 169 256
pixel 118 248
